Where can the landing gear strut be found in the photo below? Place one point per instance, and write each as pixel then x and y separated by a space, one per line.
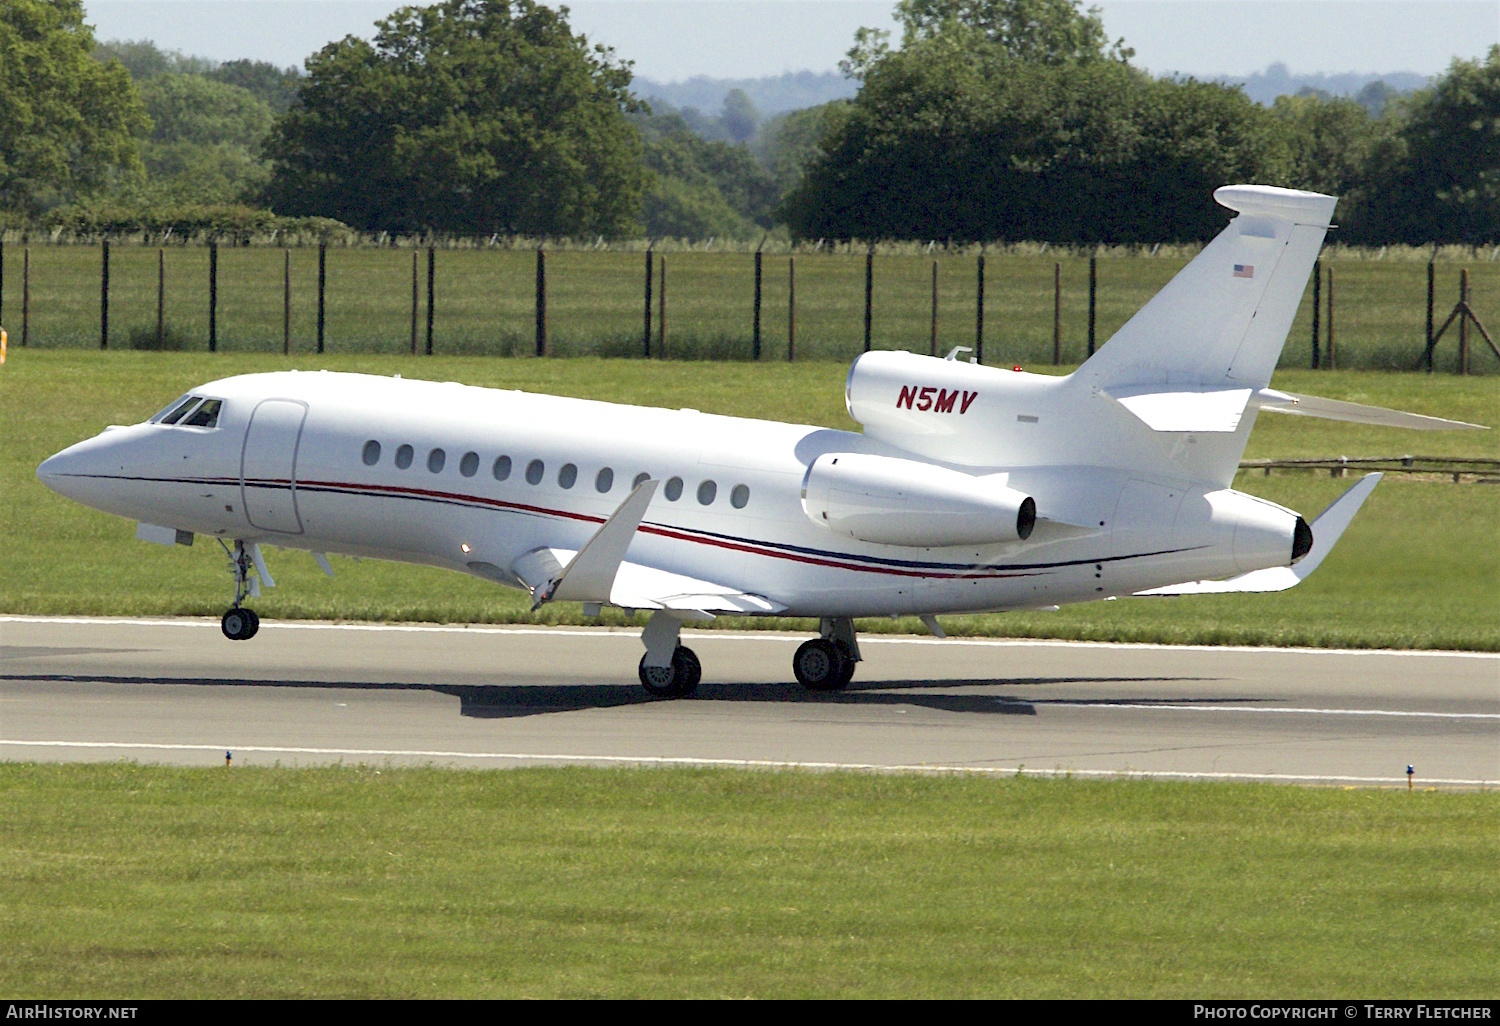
pixel 827 663
pixel 668 669
pixel 239 623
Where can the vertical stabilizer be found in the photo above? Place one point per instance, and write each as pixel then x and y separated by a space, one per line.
pixel 1222 321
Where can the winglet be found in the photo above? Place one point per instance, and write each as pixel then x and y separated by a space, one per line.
pixel 1326 531
pixel 590 575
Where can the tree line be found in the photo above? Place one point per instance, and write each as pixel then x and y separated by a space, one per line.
pixel 993 120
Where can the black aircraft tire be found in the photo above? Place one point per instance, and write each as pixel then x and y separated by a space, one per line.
pixel 236 624
pixel 689 670
pixel 848 672
pixel 254 623
pixel 819 665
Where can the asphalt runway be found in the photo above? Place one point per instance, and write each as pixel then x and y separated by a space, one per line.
pixel 175 691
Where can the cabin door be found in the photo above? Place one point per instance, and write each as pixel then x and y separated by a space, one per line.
pixel 268 465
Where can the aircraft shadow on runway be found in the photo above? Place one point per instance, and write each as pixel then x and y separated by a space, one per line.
pixel 506 701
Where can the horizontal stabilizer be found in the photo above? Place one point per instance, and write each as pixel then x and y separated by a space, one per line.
pixel 1354 413
pixel 1326 531
pixel 1212 410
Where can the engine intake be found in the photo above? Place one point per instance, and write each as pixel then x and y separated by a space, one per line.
pixel 893 501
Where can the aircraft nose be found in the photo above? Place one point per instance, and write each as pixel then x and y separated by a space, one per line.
pixel 71 471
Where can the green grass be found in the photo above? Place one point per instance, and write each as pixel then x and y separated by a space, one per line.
pixel 485 301
pixel 166 882
pixel 1418 568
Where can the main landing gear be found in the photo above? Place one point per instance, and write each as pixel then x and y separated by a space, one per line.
pixel 671 670
pixel 239 623
pixel 827 663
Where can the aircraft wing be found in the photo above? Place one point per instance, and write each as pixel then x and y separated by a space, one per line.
pixel 1326 531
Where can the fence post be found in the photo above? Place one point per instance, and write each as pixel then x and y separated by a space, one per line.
pixel 161 299
pixel 1316 310
pixel 979 314
pixel 431 293
pixel 646 331
pixel 755 330
pixel 1093 294
pixel 322 291
pixel 932 347
pixel 416 298
pixel 25 296
pixel 1463 322
pixel 1056 314
pixel 1332 358
pixel 104 296
pixel 791 308
pixel 213 297
pixel 286 302
pixel 662 307
pixel 1427 353
pixel 869 293
pixel 541 302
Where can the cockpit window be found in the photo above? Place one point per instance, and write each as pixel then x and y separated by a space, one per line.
pixel 174 412
pixel 205 416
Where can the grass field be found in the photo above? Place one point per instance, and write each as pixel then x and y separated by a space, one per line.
pixel 131 881
pixel 485 301
pixel 1418 568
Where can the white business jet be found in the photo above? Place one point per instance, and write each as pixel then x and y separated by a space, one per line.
pixel 971 488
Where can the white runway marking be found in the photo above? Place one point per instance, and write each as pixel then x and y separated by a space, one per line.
pixel 648 760
pixel 775 636
pixel 1249 709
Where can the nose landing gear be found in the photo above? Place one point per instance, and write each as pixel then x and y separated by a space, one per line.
pixel 239 623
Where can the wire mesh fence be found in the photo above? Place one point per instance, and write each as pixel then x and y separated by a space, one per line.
pixel 484 300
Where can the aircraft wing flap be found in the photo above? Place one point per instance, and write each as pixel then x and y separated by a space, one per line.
pixel 1197 410
pixel 646 587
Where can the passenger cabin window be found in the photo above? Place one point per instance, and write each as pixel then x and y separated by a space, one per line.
pixel 501 469
pixel 706 493
pixel 568 475
pixel 673 490
pixel 371 455
pixel 469 465
pixel 403 457
pixel 604 480
pixel 642 476
pixel 534 471
pixel 436 460
pixel 740 496
pixel 206 415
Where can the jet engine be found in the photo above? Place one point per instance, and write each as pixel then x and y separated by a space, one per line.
pixel 892 501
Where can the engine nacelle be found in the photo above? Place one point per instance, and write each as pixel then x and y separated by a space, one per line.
pixel 892 501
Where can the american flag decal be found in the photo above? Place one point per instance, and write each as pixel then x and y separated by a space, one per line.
pixel 1244 270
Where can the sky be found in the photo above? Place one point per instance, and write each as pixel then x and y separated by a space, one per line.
pixel 671 40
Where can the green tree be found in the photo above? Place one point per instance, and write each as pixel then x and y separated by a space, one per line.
pixel 951 137
pixel 1441 181
pixel 67 122
pixel 204 146
pixel 701 188
pixel 468 116
pixel 276 87
pixel 789 142
pixel 1034 31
